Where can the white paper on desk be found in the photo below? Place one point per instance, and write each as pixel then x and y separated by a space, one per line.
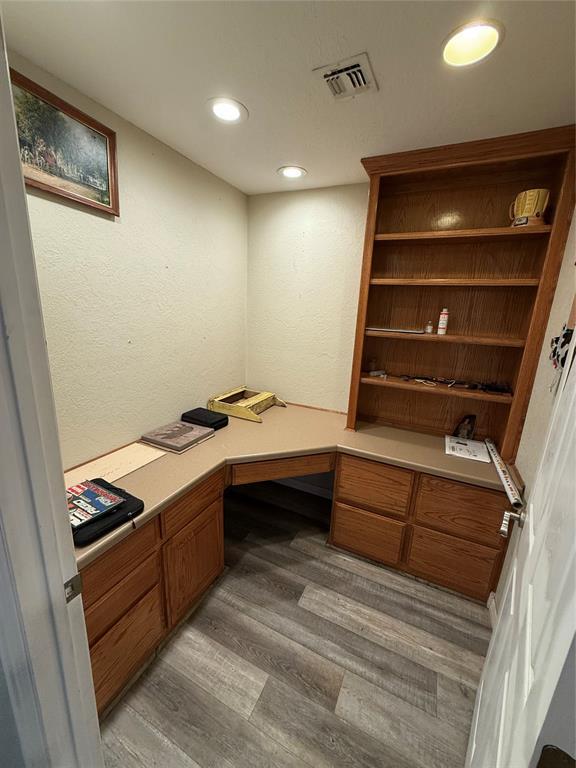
pixel 114 465
pixel 467 449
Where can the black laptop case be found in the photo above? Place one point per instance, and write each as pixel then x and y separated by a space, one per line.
pixel 103 524
pixel 205 418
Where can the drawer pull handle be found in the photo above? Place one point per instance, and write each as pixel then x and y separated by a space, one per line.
pixel 509 516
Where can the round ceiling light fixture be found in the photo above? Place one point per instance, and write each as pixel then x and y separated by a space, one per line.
pixel 292 171
pixel 227 110
pixel 472 42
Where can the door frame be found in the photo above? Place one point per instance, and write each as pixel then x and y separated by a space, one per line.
pixel 43 644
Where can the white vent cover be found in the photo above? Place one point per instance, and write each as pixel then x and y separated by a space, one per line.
pixel 349 77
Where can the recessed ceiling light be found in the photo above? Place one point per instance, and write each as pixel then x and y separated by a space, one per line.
pixel 291 171
pixel 228 110
pixel 472 43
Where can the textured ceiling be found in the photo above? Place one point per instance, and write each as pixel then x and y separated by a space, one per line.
pixel 157 63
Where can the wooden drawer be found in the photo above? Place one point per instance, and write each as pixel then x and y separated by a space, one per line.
pixel 104 573
pixel 367 534
pixel 378 487
pixel 185 509
pixel 460 565
pixel 461 509
pixel 102 614
pixel 117 656
pixel 274 469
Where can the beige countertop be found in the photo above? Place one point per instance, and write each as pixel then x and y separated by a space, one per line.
pixel 285 432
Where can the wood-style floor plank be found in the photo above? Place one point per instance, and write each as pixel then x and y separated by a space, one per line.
pixel 316 735
pixel 425 740
pixel 306 671
pixel 455 703
pixel 201 726
pixel 315 545
pixel 213 667
pixel 254 678
pixel 271 597
pixel 400 637
pixel 421 614
pixel 128 741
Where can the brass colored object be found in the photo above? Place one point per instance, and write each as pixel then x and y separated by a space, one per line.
pixel 244 403
pixel 528 208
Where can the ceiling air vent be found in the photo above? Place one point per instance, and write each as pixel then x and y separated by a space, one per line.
pixel 350 77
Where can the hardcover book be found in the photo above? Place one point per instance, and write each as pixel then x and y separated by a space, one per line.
pixel 177 436
pixel 88 500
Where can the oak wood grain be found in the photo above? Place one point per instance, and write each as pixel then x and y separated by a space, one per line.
pixel 184 509
pixel 365 533
pixel 192 559
pixel 106 611
pixel 375 486
pixel 123 649
pixel 502 149
pixel 275 469
pixel 467 567
pixel 104 573
pixel 460 509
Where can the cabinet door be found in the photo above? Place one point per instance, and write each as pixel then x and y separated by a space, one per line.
pixel 192 560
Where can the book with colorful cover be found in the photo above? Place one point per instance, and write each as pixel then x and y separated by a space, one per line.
pixel 178 436
pixel 87 500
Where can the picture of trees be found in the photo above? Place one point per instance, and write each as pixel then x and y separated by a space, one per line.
pixel 60 152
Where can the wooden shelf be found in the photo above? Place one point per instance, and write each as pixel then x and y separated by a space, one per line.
pixel 488 233
pixel 395 382
pixel 456 281
pixel 486 341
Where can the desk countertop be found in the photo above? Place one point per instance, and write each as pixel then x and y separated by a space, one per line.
pixel 285 432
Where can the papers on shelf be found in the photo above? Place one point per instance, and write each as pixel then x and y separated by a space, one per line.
pixel 467 449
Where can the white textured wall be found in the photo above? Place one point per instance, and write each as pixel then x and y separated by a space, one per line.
pixel 144 314
pixel 305 254
pixel 542 399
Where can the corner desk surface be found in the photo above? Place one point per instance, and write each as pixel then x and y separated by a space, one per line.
pixel 284 432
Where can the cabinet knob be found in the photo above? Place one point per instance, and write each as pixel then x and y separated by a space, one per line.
pixel 510 516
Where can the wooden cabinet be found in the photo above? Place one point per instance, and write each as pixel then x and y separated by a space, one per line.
pixel 184 509
pixel 122 650
pixel 99 577
pixel 460 509
pixel 130 590
pixel 441 530
pixel 453 562
pixel 438 235
pixel 375 486
pixel 275 469
pixel 192 559
pixel 367 534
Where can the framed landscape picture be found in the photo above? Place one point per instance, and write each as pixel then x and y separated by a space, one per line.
pixel 63 150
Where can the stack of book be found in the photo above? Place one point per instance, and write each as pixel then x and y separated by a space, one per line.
pixel 177 436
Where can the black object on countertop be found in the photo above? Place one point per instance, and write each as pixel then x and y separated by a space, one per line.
pixel 205 418
pixel 130 508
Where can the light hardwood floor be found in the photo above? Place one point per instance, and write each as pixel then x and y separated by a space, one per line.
pixel 304 656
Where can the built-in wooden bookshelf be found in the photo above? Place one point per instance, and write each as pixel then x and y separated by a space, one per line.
pixel 438 235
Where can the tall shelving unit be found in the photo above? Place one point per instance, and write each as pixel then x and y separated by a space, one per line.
pixel 438 235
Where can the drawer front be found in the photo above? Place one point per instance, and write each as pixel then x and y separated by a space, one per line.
pixel 461 509
pixel 275 469
pixel 378 487
pixel 99 577
pixel 117 656
pixel 367 534
pixel 185 509
pixel 460 565
pixel 102 614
